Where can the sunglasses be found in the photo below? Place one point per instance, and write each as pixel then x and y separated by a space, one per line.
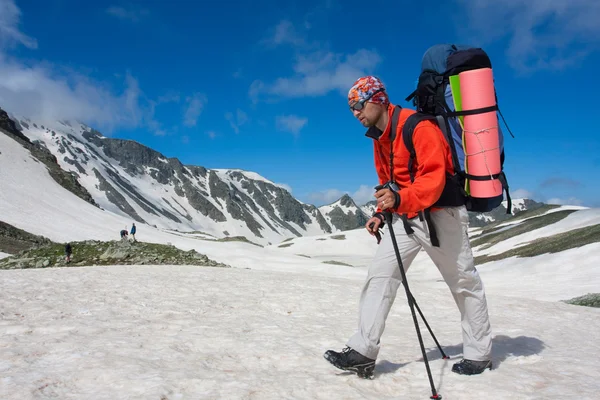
pixel 359 105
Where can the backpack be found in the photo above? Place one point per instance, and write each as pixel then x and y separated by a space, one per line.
pixel 434 99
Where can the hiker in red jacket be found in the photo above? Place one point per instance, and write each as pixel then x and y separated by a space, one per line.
pixel 450 250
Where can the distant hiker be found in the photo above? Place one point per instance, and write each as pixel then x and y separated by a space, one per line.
pixel 450 250
pixel 123 234
pixel 133 229
pixel 68 252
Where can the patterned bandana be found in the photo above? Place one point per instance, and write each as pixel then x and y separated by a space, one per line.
pixel 365 87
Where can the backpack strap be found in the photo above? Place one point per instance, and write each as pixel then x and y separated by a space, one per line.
pixel 407 136
pixel 393 130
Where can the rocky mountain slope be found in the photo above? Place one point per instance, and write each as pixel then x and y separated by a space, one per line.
pixel 130 179
pixel 344 214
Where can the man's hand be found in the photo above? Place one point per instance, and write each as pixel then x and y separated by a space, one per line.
pixel 385 198
pixel 373 224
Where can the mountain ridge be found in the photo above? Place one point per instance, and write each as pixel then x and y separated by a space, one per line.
pixel 133 180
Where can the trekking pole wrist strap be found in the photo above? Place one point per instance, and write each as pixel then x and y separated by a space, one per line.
pixel 381 218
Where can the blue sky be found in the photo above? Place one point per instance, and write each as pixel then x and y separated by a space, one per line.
pixel 261 86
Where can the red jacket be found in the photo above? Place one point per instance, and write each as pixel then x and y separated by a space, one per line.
pixel 433 160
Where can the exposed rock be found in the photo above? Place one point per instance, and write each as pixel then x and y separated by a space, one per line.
pixel 14 240
pixel 107 253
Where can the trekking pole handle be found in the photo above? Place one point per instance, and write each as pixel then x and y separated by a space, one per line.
pixel 388 185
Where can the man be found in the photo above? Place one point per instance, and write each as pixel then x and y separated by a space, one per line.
pixel 68 252
pixel 133 230
pixel 370 104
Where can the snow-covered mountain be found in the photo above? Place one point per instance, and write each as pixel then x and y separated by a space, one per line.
pixel 344 214
pixel 500 214
pixel 132 180
pixel 181 331
pixel 369 208
pixel 62 328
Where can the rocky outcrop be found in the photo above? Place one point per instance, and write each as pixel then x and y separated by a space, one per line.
pixel 14 240
pixel 89 253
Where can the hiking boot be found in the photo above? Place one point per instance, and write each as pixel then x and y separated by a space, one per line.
pixel 470 367
pixel 351 360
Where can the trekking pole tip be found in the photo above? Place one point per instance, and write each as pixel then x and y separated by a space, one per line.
pixel 436 397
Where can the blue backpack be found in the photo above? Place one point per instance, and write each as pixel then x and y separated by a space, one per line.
pixel 433 101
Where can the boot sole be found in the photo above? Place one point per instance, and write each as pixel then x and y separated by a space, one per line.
pixel 361 371
pixel 489 366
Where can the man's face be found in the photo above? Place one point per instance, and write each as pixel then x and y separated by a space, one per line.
pixel 369 114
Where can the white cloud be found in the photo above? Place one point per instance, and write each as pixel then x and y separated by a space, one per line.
pixel 317 70
pixel 285 186
pixel 325 196
pixel 522 194
pixel 211 134
pixel 361 196
pixel 571 201
pixel 543 34
pixel 46 91
pixel 10 34
pixel 237 120
pixel 283 33
pixel 318 73
pixel 290 123
pixel 130 13
pixel 195 105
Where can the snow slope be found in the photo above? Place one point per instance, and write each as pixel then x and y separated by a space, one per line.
pixel 177 332
pixel 259 330
pixel 127 182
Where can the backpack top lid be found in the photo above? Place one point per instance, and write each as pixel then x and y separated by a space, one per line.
pixel 438 57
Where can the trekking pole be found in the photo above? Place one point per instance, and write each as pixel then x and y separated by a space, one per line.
pixel 444 356
pixel 412 298
pixel 388 217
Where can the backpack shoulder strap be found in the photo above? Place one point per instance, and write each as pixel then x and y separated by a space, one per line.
pixel 393 130
pixel 407 135
pixel 395 120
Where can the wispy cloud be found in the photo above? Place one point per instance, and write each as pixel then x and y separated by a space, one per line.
pixel 542 34
pixel 560 182
pixel 236 120
pixel 129 13
pixel 324 197
pixel 361 196
pixel 283 33
pixel 285 186
pixel 570 201
pixel 317 74
pixel 522 194
pixel 290 123
pixel 211 134
pixel 194 106
pixel 317 69
pixel 46 91
pixel 10 35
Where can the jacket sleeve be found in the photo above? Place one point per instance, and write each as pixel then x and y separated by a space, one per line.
pixel 430 175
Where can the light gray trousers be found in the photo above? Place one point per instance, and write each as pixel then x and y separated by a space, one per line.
pixel 454 260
